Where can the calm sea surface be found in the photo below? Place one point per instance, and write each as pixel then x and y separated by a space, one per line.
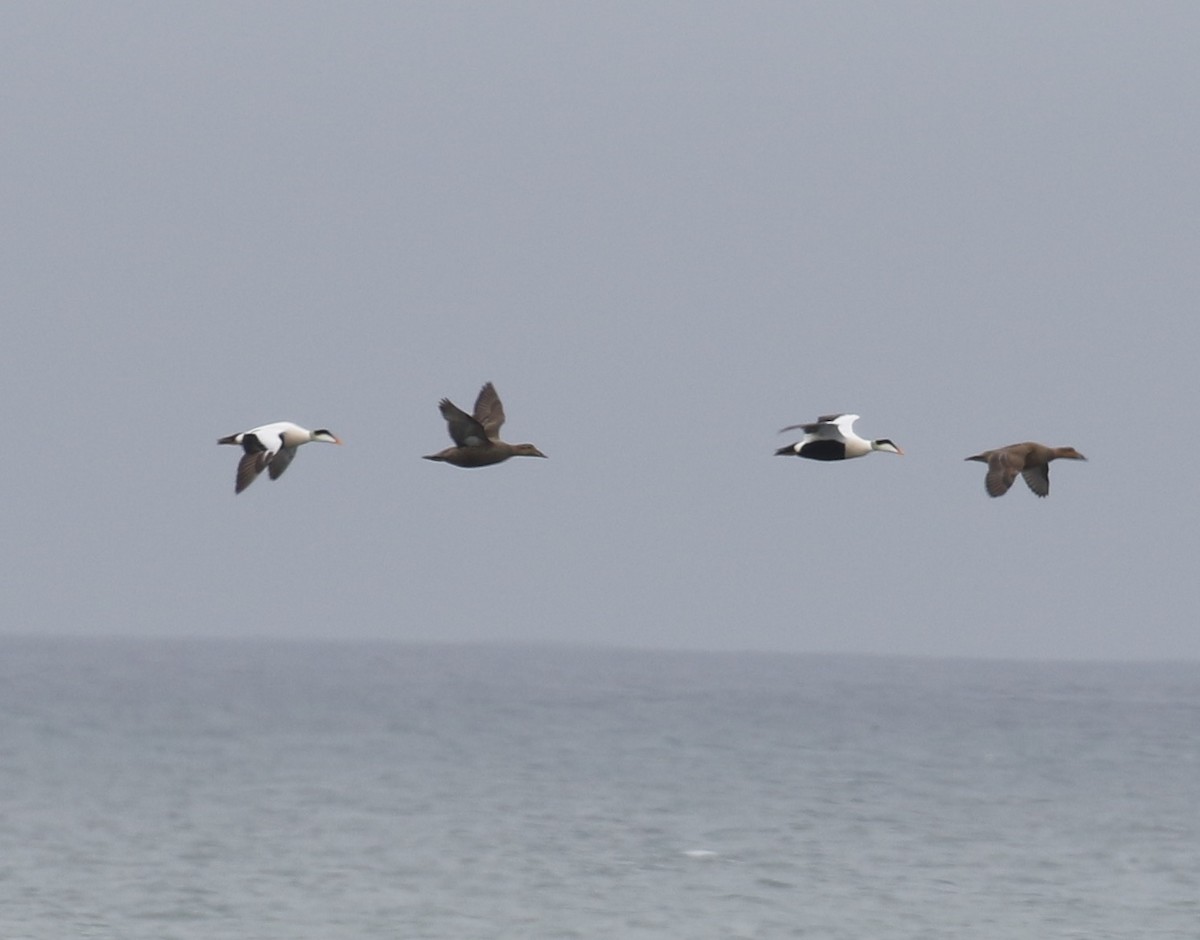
pixel 155 789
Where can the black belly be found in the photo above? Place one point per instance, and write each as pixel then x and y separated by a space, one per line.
pixel 824 450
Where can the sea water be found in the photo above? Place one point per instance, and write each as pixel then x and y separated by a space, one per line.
pixel 211 789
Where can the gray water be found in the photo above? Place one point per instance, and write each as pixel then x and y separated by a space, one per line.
pixel 157 789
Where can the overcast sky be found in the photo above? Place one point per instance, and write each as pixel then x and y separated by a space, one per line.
pixel 664 230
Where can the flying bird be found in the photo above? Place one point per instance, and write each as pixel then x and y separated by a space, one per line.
pixel 271 447
pixel 476 437
pixel 1030 460
pixel 832 437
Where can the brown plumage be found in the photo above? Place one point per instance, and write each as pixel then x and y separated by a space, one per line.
pixel 1030 460
pixel 476 437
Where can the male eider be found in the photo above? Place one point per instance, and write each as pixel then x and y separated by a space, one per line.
pixel 831 437
pixel 271 446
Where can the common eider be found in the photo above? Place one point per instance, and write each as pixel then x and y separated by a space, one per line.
pixel 832 437
pixel 476 437
pixel 1031 460
pixel 271 447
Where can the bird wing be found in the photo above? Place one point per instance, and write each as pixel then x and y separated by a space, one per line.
pixel 1003 468
pixel 258 448
pixel 489 412
pixel 280 461
pixel 249 467
pixel 826 426
pixel 464 430
pixel 843 423
pixel 1038 478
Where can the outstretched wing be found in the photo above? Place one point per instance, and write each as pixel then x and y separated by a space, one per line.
pixel 259 447
pixel 281 461
pixel 254 458
pixel 249 467
pixel 1003 468
pixel 464 430
pixel 826 427
pixel 489 412
pixel 1038 478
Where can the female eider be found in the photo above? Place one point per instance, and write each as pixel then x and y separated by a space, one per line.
pixel 831 437
pixel 1030 460
pixel 476 437
pixel 272 447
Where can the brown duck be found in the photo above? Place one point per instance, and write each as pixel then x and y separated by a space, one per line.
pixel 476 440
pixel 1030 460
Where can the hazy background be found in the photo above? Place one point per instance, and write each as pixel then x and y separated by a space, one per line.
pixel 664 231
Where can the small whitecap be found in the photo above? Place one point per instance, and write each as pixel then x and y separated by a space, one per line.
pixel 700 853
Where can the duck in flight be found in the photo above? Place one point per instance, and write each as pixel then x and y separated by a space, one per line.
pixel 832 437
pixel 1030 460
pixel 476 437
pixel 271 447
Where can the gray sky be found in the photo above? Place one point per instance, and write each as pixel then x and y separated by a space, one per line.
pixel 664 231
